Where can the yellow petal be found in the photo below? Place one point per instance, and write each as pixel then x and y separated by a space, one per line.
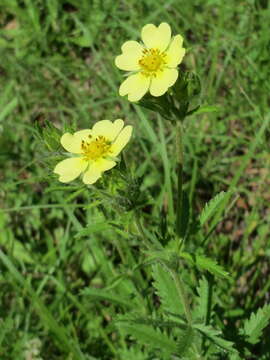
pixel 135 86
pixel 121 141
pixel 156 37
pixel 175 52
pixel 72 143
pixel 163 81
pixel 71 168
pixel 129 60
pixel 91 176
pixel 108 129
pixel 96 169
pixel 104 165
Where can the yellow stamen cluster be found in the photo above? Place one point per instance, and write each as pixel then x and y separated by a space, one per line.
pixel 152 61
pixel 96 148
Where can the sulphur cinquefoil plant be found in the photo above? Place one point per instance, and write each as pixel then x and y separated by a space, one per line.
pixel 168 307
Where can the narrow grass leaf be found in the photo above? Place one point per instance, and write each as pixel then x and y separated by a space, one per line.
pixel 64 341
pixel 206 109
pixel 104 295
pixel 8 108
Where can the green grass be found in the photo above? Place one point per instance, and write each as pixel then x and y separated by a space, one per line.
pixel 57 65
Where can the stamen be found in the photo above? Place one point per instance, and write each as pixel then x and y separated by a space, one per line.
pixel 152 62
pixel 95 149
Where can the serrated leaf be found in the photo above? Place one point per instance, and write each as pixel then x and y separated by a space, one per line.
pixel 166 290
pixel 132 354
pixel 205 263
pixel 211 207
pixel 254 326
pixel 147 335
pixel 202 299
pixel 185 341
pixel 214 336
pixel 210 265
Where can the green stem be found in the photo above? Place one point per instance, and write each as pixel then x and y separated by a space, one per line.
pixel 182 294
pixel 180 287
pixel 179 208
pixel 141 230
pixel 180 161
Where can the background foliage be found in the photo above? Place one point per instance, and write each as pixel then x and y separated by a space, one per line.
pixel 63 263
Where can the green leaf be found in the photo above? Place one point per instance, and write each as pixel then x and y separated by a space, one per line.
pixel 100 226
pixel 83 41
pixel 214 336
pixel 211 207
pixel 101 295
pixel 8 108
pixel 132 353
pixel 193 111
pixel 254 326
pixel 162 324
pixel 8 241
pixel 60 332
pixel 210 265
pixel 186 340
pixel 166 290
pixel 204 263
pixel 205 109
pixel 202 299
pixel 147 335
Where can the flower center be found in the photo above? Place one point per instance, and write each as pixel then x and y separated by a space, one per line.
pixel 96 148
pixel 152 61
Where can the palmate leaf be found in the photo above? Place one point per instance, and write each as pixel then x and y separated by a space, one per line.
pixel 254 326
pixel 166 290
pixel 214 336
pixel 211 207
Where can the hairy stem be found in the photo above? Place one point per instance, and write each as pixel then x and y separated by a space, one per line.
pixel 182 295
pixel 141 230
pixel 180 161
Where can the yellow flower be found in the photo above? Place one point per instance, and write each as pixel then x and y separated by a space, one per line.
pixel 154 64
pixel 94 150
